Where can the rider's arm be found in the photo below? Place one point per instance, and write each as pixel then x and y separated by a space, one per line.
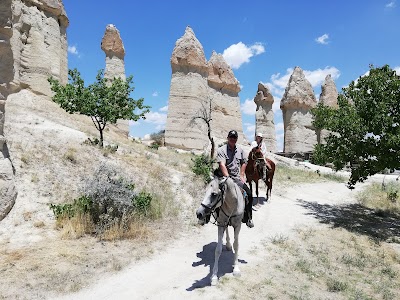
pixel 223 169
pixel 242 172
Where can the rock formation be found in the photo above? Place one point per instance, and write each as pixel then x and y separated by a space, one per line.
pixel 296 103
pixel 33 46
pixel 328 96
pixel 265 116
pixel 113 47
pixel 194 84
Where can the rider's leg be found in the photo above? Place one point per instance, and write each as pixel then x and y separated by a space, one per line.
pixel 249 207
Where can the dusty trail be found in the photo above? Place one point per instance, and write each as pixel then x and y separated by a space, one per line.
pixel 182 269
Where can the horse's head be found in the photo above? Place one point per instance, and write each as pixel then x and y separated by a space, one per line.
pixel 255 154
pixel 212 199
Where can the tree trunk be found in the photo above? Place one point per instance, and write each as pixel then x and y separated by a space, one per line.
pixel 101 137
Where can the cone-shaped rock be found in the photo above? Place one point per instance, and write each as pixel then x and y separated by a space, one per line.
pixel 328 97
pixel 265 116
pixel 113 47
pixel 296 103
pixel 188 55
pixel 194 83
pixel 220 75
pixel 223 92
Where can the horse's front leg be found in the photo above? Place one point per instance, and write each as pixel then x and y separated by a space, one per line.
pixel 228 240
pixel 236 270
pixel 218 250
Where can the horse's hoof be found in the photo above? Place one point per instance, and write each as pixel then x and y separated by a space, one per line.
pixel 214 281
pixel 228 248
pixel 236 273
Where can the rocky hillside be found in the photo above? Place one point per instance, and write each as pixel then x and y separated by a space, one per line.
pixel 52 161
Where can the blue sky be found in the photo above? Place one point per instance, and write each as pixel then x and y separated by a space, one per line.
pixel 261 40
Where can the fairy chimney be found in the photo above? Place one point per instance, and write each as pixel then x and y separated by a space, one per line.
pixel 33 47
pixel 298 99
pixel 113 47
pixel 223 89
pixel 328 97
pixel 114 50
pixel 265 116
pixel 194 83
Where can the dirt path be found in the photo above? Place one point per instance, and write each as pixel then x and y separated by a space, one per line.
pixel 182 270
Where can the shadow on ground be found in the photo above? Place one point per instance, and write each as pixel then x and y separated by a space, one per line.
pixel 380 226
pixel 207 258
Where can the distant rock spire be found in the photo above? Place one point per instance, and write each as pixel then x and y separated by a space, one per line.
pixel 296 103
pixel 113 47
pixel 265 116
pixel 328 97
pixel 329 92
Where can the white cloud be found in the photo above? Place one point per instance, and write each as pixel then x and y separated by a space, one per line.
pixel 156 118
pixel 248 107
pixel 164 108
pixel 391 4
pixel 238 54
pixel 73 50
pixel 317 77
pixel 155 94
pixel 249 130
pixel 397 69
pixel 323 39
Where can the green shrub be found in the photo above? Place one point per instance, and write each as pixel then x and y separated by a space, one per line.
pixel 203 166
pixel 142 203
pixel 154 146
pixel 81 205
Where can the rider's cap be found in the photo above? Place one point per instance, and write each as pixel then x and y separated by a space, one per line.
pixel 259 134
pixel 233 133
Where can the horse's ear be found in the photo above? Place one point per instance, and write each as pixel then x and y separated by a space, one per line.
pixel 222 180
pixel 218 172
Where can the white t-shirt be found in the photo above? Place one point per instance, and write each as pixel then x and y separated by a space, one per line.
pixel 262 146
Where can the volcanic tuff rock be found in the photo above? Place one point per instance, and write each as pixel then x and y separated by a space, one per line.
pixel 33 46
pixel 328 96
pixel 265 116
pixel 296 103
pixel 194 84
pixel 220 75
pixel 113 47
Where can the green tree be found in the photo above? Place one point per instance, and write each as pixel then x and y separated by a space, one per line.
pixel 365 128
pixel 105 101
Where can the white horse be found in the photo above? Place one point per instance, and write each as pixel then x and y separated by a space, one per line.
pixel 226 195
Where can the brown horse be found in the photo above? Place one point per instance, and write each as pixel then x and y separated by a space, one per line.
pixel 254 169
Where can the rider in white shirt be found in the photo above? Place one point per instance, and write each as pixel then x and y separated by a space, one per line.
pixel 259 143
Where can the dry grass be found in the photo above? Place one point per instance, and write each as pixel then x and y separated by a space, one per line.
pixel 384 198
pixel 322 264
pixel 284 175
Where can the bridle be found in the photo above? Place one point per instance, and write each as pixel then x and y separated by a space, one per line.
pixel 218 204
